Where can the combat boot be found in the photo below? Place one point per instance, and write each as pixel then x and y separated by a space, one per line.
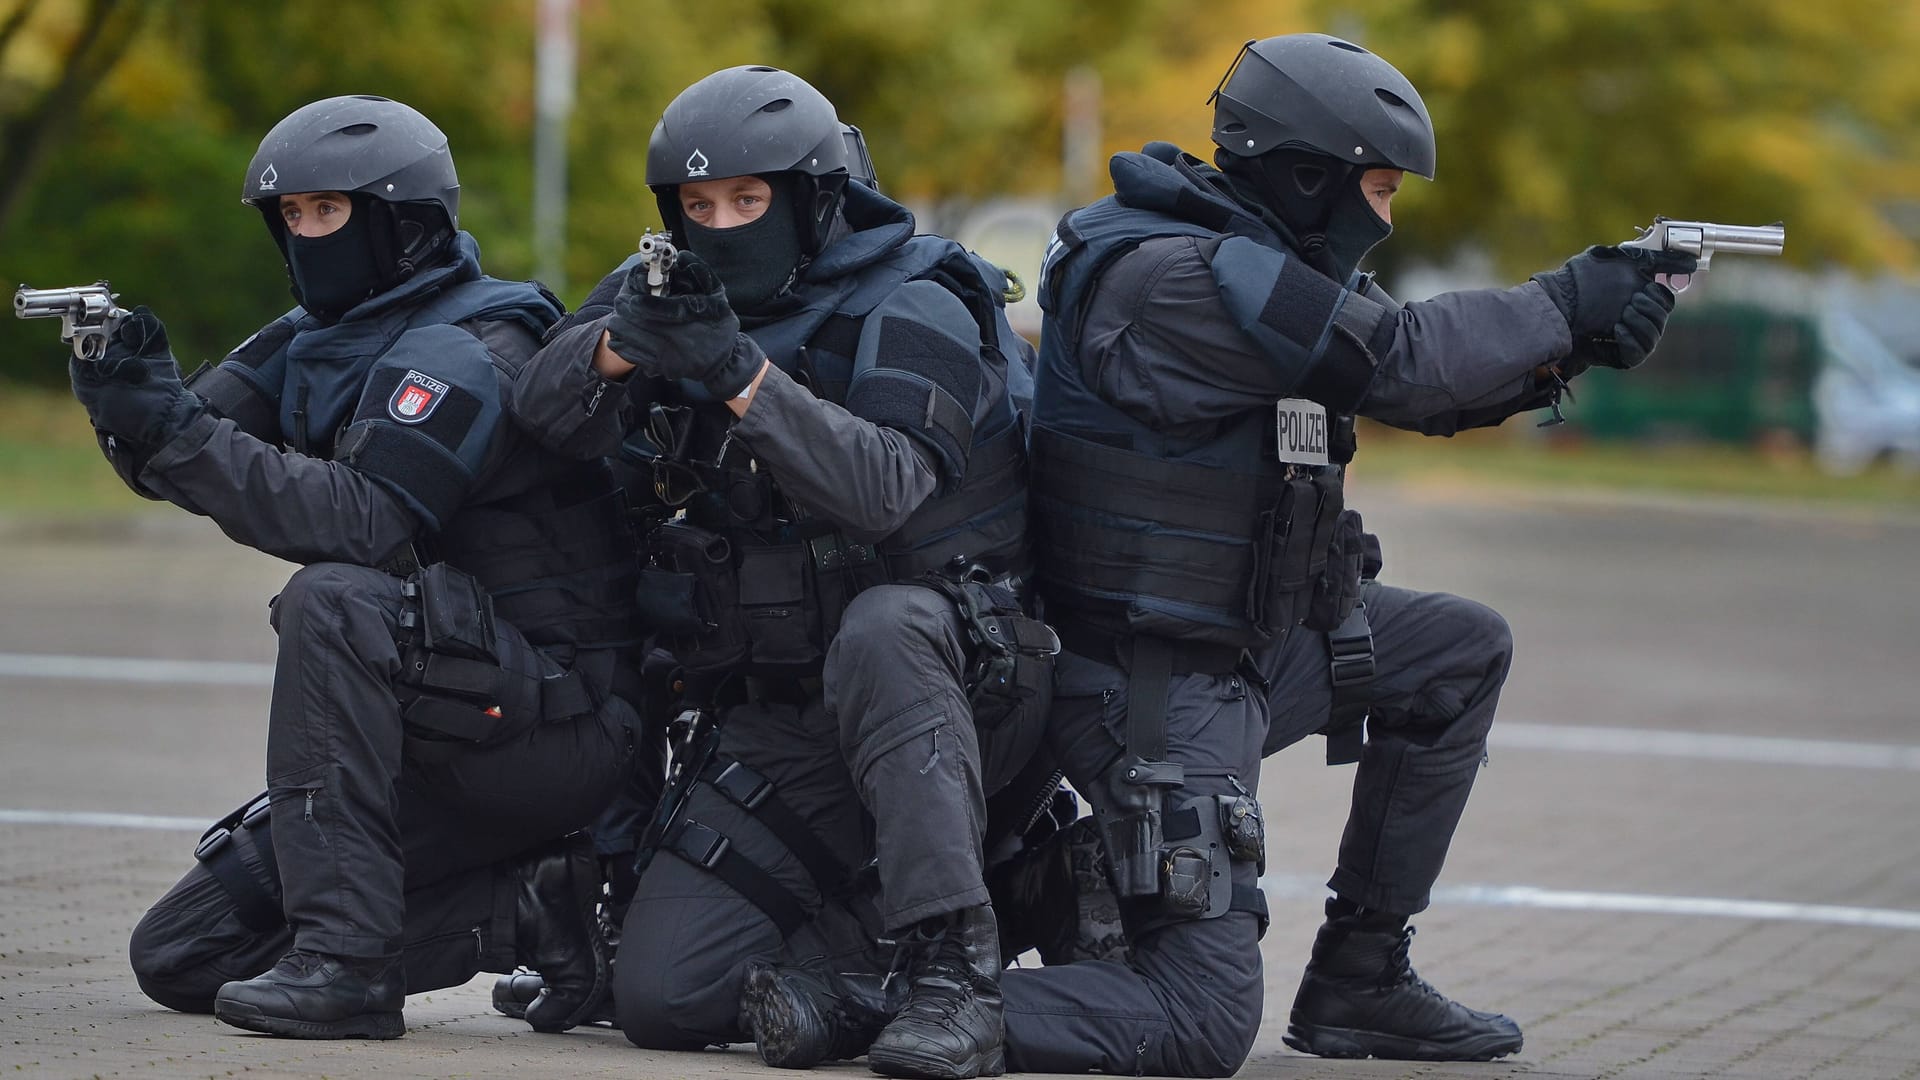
pixel 952 1026
pixel 310 995
pixel 802 1015
pixel 513 993
pixel 557 932
pixel 1361 998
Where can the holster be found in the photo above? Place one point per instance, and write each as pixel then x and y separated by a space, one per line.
pixel 1011 671
pixel 1291 546
pixel 450 681
pixel 689 595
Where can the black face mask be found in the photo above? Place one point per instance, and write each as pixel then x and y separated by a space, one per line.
pixel 335 272
pixel 1316 201
pixel 755 261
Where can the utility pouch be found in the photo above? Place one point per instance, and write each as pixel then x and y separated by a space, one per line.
pixel 1013 653
pixel 780 624
pixel 456 614
pixel 1243 829
pixel 1186 879
pixel 1338 587
pixel 690 595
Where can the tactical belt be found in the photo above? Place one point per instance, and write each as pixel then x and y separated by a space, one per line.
pixel 1118 649
pixel 1351 647
pixel 252 884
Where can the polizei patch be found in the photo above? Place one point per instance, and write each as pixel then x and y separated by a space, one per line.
pixel 415 398
pixel 1300 431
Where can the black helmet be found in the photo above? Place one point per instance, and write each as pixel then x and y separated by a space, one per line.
pixel 751 121
pixel 1319 93
pixel 356 144
pixel 859 161
pixel 389 157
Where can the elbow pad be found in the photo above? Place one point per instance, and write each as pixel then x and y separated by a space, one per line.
pixel 1325 338
pixel 426 420
pixel 917 369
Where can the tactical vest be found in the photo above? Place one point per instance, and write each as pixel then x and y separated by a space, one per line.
pixel 1208 539
pixel 793 575
pixel 555 553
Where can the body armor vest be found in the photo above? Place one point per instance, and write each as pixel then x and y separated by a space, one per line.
pixel 792 575
pixel 547 537
pixel 1206 538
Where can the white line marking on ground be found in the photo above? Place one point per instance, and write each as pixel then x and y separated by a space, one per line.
pixel 97 819
pixel 131 669
pixel 1303 887
pixel 1756 749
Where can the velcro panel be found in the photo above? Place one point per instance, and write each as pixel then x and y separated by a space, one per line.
pixel 410 463
pixel 1279 301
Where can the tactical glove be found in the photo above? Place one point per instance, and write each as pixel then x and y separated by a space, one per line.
pixel 133 392
pixel 1614 308
pixel 689 333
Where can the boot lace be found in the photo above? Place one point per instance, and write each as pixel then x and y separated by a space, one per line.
pixel 1399 969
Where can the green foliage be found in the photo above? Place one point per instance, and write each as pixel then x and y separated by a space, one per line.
pixel 1561 123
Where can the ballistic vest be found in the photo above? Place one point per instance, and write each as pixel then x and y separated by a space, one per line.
pixel 548 537
pixel 1200 537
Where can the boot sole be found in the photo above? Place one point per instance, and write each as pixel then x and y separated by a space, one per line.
pixel 902 1063
pixel 365 1026
pixel 1333 1042
pixel 776 1019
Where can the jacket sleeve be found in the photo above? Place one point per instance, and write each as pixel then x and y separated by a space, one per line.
pixel 1185 331
pixel 558 398
pixel 862 476
pixel 286 504
pixel 427 423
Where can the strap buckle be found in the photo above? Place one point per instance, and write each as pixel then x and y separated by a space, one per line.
pixel 702 846
pixel 746 788
pixel 211 842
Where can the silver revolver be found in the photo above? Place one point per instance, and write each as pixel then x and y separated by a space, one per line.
pixel 1705 239
pixel 87 314
pixel 657 254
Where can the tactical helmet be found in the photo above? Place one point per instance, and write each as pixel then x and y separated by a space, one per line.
pixel 365 146
pixel 751 121
pixel 1320 93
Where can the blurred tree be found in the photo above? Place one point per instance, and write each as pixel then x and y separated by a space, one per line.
pixel 48 67
pixel 1567 124
pixel 1560 124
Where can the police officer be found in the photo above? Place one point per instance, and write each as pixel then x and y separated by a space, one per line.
pixel 444 707
pixel 825 396
pixel 1206 578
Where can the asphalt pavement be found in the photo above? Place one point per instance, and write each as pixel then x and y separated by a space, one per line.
pixel 1692 853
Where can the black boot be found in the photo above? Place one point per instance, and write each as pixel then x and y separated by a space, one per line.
pixel 952 1026
pixel 557 933
pixel 805 1014
pixel 309 995
pixel 1361 998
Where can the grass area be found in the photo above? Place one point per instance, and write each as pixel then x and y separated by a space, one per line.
pixel 1513 457
pixel 49 464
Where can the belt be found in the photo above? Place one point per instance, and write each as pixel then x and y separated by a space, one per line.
pixel 1116 648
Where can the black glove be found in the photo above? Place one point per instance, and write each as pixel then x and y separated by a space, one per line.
pixel 690 333
pixel 133 392
pixel 1612 305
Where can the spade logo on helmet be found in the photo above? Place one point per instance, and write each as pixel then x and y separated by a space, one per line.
pixel 696 164
pixel 269 177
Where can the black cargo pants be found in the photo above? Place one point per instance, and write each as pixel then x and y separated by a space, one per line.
pixel 383 849
pixel 883 763
pixel 1188 1001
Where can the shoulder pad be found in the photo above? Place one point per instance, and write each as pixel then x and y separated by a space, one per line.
pixel 918 370
pixel 426 419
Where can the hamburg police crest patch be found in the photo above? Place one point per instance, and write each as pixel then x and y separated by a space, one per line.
pixel 415 398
